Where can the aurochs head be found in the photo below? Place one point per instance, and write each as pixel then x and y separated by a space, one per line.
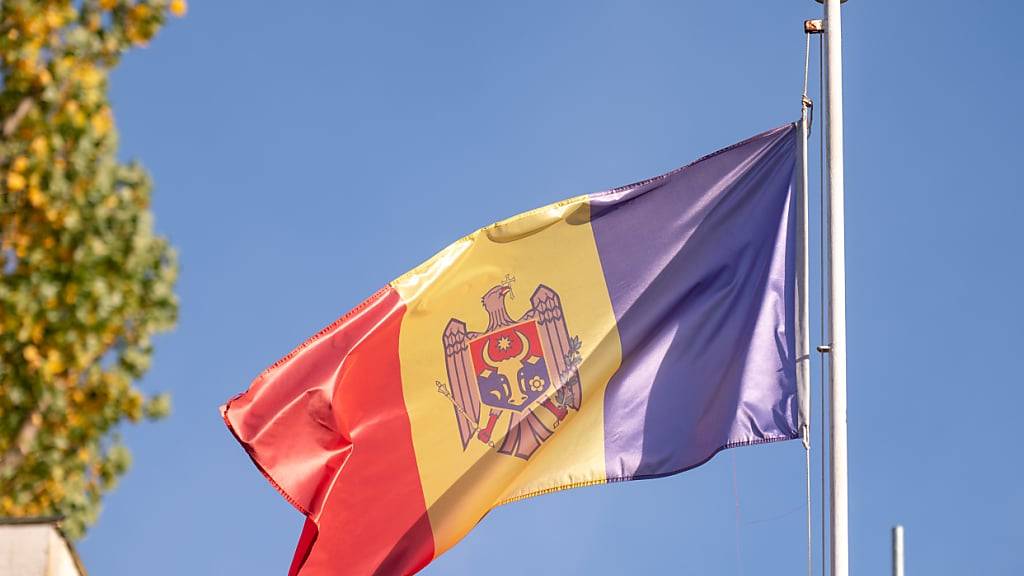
pixel 510 369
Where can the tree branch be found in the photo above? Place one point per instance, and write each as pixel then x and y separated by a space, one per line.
pixel 17 451
pixel 12 121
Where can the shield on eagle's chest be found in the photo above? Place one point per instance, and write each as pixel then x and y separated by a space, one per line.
pixel 525 371
pixel 511 371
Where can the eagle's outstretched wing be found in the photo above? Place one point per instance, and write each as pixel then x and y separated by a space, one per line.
pixel 547 308
pixel 461 379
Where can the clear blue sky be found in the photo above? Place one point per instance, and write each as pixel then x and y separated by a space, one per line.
pixel 305 153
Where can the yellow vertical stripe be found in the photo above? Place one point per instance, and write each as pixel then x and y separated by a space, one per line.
pixel 552 246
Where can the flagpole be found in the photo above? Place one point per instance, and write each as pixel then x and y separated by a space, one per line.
pixel 897 550
pixel 837 295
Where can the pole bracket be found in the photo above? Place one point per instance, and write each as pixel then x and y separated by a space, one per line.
pixel 824 348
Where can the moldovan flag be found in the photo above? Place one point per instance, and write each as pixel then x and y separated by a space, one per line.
pixel 622 335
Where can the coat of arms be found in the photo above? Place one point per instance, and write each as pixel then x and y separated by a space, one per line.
pixel 525 369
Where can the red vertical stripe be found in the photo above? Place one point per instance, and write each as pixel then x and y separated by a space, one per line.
pixel 328 426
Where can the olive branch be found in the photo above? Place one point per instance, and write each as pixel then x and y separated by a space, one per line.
pixel 573 359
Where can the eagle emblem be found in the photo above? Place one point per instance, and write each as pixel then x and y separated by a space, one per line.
pixel 526 370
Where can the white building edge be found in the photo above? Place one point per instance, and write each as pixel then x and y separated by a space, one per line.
pixel 36 547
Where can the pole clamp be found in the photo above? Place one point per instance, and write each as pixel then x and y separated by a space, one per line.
pixel 824 348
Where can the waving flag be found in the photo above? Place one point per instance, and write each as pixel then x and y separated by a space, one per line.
pixel 627 334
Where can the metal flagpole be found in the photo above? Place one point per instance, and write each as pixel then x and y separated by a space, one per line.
pixel 897 550
pixel 837 294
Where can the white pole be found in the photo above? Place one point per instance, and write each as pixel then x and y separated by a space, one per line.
pixel 897 550
pixel 837 296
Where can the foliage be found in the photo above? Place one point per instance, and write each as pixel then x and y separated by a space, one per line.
pixel 84 281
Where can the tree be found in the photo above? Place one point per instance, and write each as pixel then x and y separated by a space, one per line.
pixel 84 280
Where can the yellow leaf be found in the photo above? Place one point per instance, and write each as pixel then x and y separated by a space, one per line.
pixel 19 164
pixel 102 122
pixel 31 354
pixel 36 197
pixel 15 182
pixel 39 146
pixel 35 27
pixel 179 8
pixel 54 363
pixel 54 18
pixel 135 36
pixel 89 75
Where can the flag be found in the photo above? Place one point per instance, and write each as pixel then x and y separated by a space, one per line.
pixel 622 335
